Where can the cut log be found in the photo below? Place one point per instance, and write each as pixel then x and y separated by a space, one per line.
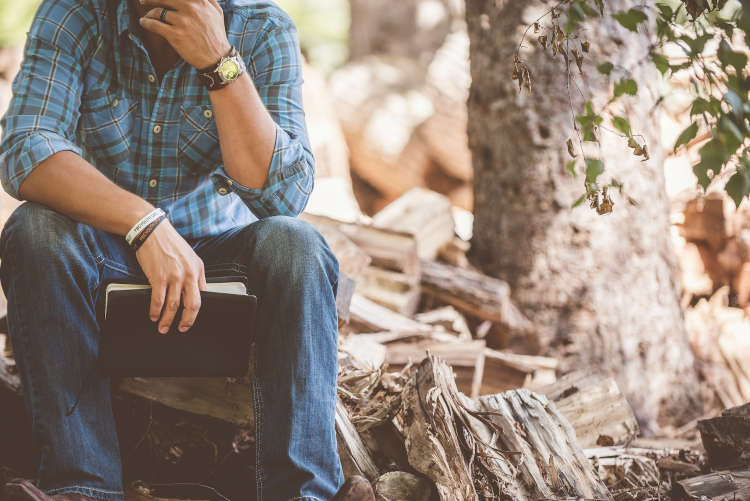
pixel 454 252
pixel 423 213
pixel 519 445
pixel 727 438
pixel 402 486
pixel 368 316
pixel 479 295
pixel 715 486
pixel 355 458
pixel 448 318
pixel 388 249
pixel 466 359
pixel 228 399
pixel 595 408
pixel 396 291
pixel 508 371
pixel 344 292
pixel 352 260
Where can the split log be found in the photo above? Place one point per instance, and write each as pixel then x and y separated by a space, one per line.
pixel 423 213
pixel 727 438
pixel 454 252
pixel 401 486
pixel 477 294
pixel 442 428
pixel 704 220
pixel 388 249
pixel 449 319
pixel 396 291
pixel 508 371
pixel 715 486
pixel 368 316
pixel 466 359
pixel 355 458
pixel 595 408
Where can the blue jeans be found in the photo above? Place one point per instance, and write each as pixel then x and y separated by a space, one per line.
pixel 51 271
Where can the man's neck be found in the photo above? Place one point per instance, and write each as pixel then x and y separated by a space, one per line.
pixel 161 53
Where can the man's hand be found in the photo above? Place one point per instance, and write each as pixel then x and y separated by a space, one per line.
pixel 174 270
pixel 194 28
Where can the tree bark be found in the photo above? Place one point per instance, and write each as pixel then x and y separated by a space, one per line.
pixel 602 290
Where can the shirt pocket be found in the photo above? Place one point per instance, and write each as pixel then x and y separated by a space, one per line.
pixel 198 144
pixel 107 122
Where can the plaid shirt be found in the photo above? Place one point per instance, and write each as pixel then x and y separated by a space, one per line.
pixel 87 85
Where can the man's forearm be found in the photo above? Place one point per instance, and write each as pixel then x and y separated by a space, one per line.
pixel 71 185
pixel 247 132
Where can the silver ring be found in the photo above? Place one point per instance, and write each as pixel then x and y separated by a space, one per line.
pixel 163 15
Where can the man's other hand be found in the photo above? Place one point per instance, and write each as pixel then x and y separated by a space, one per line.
pixel 174 271
pixel 194 28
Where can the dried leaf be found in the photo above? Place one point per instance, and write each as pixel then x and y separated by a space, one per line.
pixel 571 149
pixel 585 45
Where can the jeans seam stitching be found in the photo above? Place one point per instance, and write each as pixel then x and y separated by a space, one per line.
pixel 257 409
pixel 57 490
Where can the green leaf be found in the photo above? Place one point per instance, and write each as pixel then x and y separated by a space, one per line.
pixel 738 185
pixel 600 5
pixel 729 134
pixel 661 62
pixel 700 106
pixel 665 11
pixel 605 68
pixel 594 167
pixel 630 19
pixel 696 44
pixel 687 135
pixel 571 167
pixel 730 58
pixel 735 102
pixel 701 172
pixel 622 124
pixel 626 86
pixel 575 16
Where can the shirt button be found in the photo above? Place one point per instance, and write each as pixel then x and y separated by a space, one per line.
pixel 115 102
pixel 152 183
pixel 157 129
pixel 208 113
pixel 151 78
pixel 223 191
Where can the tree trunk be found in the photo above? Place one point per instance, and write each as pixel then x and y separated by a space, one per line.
pixel 602 290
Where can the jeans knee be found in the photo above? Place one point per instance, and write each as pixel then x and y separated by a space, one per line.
pixel 296 249
pixel 36 231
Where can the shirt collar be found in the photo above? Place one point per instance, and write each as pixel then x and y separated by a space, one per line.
pixel 123 16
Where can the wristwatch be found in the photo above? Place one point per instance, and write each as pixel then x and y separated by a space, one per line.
pixel 226 71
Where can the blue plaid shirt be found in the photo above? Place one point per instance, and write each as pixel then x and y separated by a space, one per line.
pixel 87 85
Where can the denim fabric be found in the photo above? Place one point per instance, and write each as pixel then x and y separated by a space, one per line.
pixel 51 271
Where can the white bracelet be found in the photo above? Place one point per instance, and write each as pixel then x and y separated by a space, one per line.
pixel 140 225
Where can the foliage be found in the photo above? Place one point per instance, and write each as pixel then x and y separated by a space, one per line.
pixel 15 19
pixel 712 35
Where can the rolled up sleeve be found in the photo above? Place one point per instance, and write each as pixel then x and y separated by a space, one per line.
pixel 43 113
pixel 276 64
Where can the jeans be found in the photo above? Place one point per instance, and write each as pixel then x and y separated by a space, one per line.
pixel 51 271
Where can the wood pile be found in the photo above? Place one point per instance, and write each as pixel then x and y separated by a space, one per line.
pixel 426 409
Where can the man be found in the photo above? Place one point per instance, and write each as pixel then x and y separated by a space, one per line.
pixel 177 124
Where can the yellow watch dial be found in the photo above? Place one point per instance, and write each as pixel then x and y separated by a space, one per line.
pixel 229 69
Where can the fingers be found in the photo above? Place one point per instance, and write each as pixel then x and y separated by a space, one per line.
pixel 171 305
pixel 158 291
pixel 216 5
pixel 168 17
pixel 154 25
pixel 191 301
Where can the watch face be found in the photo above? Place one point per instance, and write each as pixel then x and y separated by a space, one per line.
pixel 229 69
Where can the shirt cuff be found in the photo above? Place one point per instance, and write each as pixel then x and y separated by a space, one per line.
pixel 287 187
pixel 27 154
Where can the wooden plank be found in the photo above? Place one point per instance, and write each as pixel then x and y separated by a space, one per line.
pixel 508 371
pixel 595 407
pixel 716 486
pixel 368 316
pixel 392 250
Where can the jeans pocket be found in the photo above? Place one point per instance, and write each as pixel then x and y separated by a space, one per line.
pixel 198 143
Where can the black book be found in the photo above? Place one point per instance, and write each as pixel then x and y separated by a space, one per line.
pixel 218 343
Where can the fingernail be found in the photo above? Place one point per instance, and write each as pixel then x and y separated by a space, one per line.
pixel 183 328
pixel 163 330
